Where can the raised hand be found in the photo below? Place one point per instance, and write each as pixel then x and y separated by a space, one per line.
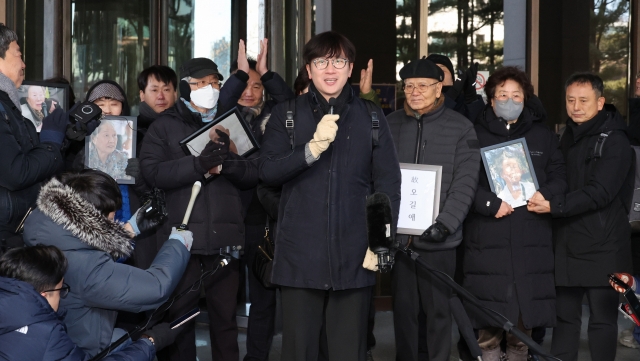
pixel 243 63
pixel 366 78
pixel 261 67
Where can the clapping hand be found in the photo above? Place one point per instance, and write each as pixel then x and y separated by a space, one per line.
pixel 366 78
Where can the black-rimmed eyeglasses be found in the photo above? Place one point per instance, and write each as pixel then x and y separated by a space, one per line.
pixel 64 290
pixel 322 64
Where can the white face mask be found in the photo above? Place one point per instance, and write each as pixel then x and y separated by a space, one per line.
pixel 206 97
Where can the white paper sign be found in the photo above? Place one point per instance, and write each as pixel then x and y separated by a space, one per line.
pixel 420 200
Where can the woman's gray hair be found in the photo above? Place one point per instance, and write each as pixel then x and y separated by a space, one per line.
pixel 103 123
pixel 7 36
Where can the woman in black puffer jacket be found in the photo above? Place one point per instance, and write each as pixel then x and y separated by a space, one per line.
pixel 508 251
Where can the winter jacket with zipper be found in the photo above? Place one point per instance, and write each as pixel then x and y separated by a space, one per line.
pixel 508 261
pixel 31 330
pixel 441 137
pixel 279 92
pixel 592 224
pixel 322 233
pixel 217 219
pixel 100 287
pixel 24 164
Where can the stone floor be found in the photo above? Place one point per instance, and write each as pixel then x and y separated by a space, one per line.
pixel 385 348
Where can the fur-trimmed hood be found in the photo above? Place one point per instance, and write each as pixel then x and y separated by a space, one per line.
pixel 76 215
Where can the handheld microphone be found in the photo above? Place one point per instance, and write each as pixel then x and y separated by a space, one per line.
pixel 194 193
pixel 332 102
pixel 379 229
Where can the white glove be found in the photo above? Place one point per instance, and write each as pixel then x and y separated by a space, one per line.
pixel 325 134
pixel 370 261
pixel 186 237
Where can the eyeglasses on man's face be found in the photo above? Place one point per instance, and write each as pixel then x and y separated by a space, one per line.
pixel 422 87
pixel 64 290
pixel 338 63
pixel 204 82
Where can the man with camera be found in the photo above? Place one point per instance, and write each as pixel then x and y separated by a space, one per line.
pixel 76 214
pixel 27 159
pixel 217 220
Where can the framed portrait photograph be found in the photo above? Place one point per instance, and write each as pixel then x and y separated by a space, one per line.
pixel 420 197
pixel 110 147
pixel 38 99
pixel 243 142
pixel 510 171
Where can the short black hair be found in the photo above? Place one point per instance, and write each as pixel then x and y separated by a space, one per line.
pixel 161 72
pixel 302 80
pixel 7 36
pixel 501 75
pixel 586 78
pixel 41 266
pixel 97 187
pixel 328 44
pixel 252 65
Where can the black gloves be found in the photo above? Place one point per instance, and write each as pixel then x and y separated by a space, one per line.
pixel 79 130
pixel 53 127
pixel 133 168
pixel 458 87
pixel 470 93
pixel 162 335
pixel 215 153
pixel 436 233
pixel 146 218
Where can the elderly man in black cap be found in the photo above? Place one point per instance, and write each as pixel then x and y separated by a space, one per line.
pixel 427 132
pixel 217 217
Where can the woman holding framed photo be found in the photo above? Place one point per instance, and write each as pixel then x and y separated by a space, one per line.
pixel 508 251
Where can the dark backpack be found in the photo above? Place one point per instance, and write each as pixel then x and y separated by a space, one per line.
pixel 630 192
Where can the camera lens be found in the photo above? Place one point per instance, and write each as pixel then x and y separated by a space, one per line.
pixel 86 109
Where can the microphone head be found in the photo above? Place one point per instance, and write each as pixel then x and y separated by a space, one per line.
pixel 379 222
pixel 332 101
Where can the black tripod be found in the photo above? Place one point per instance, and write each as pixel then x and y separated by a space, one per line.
pixel 459 314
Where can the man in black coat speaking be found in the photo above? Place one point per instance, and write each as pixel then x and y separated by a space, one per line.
pixel 592 225
pixel 327 167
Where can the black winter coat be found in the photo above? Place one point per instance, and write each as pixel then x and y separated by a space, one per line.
pixel 446 138
pixel 217 219
pixel 634 121
pixel 508 261
pixel 24 164
pixel 279 92
pixel 592 226
pixel 322 233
